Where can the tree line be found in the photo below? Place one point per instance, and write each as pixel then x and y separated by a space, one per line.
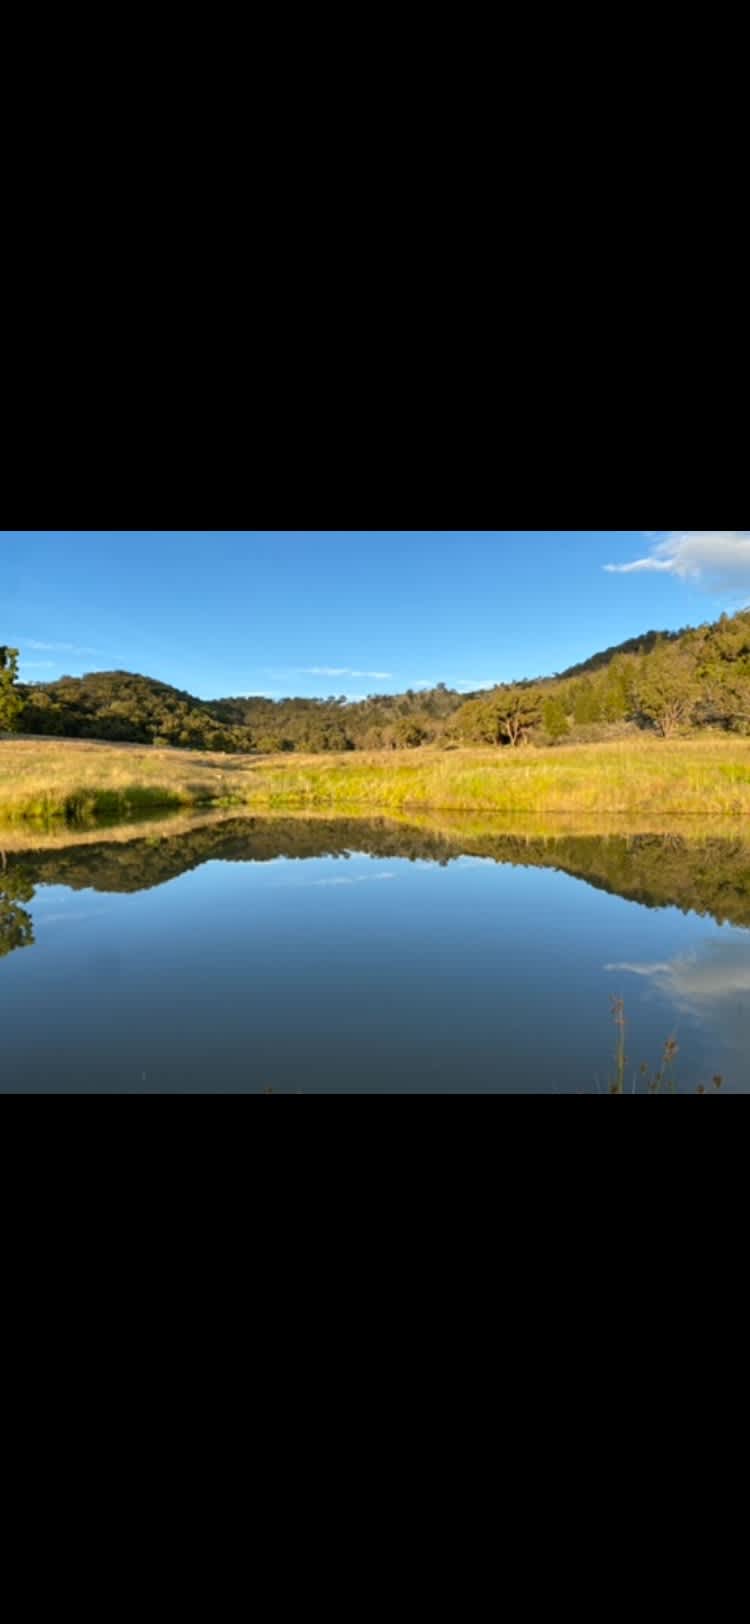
pixel 666 683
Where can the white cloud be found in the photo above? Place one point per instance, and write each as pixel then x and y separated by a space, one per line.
pixel 641 969
pixel 714 558
pixel 283 674
pixel 59 648
pixel 336 880
pixel 38 665
pixel 341 671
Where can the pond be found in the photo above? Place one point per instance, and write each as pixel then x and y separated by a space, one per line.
pixel 304 956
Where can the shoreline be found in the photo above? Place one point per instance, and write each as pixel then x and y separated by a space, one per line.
pixel 73 782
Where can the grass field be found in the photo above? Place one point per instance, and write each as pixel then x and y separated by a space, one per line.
pixel 79 781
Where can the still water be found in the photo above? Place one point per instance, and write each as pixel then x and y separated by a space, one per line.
pixel 290 956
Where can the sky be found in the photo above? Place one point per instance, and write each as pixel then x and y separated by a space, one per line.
pixel 351 612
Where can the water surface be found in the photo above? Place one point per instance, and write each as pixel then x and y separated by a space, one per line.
pixel 248 955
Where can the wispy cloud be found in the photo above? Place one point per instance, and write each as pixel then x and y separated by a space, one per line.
pixel 283 673
pixel 342 671
pixel 38 665
pixel 59 648
pixel 714 558
pixel 73 918
pixel 334 880
pixel 358 879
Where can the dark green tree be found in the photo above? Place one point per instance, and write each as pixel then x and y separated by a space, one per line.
pixel 10 700
pixel 667 689
pixel 616 690
pixel 724 672
pixel 556 723
pixel 505 716
pixel 587 704
pixel 409 733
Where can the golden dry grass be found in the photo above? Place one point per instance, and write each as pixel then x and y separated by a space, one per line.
pixel 72 779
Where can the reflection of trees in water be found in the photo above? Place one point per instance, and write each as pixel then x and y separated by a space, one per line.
pixel 708 875
pixel 16 925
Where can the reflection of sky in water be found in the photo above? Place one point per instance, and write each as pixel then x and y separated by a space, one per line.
pixel 316 974
pixel 711 984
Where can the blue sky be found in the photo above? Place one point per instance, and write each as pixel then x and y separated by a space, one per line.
pixel 351 612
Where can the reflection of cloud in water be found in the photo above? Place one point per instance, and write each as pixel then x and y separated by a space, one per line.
pixel 353 879
pixel 711 984
pixel 71 918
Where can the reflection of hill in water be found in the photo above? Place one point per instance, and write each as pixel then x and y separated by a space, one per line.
pixel 707 875
pixel 16 926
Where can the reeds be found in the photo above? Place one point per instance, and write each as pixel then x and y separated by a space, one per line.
pixel 661 1081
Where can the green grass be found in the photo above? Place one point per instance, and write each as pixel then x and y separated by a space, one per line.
pixel 74 781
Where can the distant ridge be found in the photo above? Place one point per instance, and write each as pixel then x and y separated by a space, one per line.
pixel 634 645
pixel 699 676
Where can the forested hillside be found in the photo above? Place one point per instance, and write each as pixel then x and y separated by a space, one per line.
pixel 666 683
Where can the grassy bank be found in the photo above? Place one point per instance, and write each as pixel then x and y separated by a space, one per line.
pixel 75 781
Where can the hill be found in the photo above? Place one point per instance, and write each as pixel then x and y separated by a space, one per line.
pixel 127 708
pixel 123 707
pixel 663 682
pixel 633 645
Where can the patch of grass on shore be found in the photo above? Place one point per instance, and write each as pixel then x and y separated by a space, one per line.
pixel 76 780
pixel 86 805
